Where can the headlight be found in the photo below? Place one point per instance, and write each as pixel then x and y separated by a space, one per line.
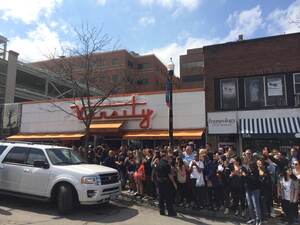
pixel 90 180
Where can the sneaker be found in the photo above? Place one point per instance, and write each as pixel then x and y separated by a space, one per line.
pixel 243 213
pixel 236 213
pixel 173 214
pixel 187 206
pixel 252 221
pixel 226 212
pixel 273 214
pixel 216 209
pixel 180 204
pixel 258 222
pixel 162 213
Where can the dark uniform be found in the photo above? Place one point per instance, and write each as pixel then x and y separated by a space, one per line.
pixel 165 188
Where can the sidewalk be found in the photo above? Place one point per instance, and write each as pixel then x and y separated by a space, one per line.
pixel 129 198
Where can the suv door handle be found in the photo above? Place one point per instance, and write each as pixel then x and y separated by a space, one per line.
pixel 26 170
pixel 2 167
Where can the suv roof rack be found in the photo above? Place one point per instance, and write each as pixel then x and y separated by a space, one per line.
pixel 17 142
pixel 29 143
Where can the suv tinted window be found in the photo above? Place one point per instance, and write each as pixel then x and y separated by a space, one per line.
pixel 16 155
pixel 35 155
pixel 2 148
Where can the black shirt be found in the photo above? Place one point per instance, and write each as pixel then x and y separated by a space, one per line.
pixel 110 162
pixel 163 169
pixel 148 168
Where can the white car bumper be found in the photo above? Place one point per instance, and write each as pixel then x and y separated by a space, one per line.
pixel 93 194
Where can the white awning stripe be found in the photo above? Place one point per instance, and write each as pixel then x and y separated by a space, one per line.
pixel 297 122
pixel 272 125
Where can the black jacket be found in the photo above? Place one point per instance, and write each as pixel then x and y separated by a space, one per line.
pixel 251 180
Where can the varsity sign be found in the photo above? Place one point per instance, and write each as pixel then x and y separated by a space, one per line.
pixel 117 111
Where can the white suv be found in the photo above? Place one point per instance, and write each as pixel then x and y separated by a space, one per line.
pixel 46 172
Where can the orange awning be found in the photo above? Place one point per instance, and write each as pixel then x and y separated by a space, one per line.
pixel 106 127
pixel 164 134
pixel 48 136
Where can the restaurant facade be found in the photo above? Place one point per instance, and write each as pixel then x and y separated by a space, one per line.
pixel 139 119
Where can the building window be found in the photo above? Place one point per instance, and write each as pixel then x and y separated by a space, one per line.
pixel 193 78
pixel 102 62
pixel 275 90
pixel 265 91
pixel 297 88
pixel 142 82
pixel 143 66
pixel 254 92
pixel 193 64
pixel 297 83
pixel 228 93
pixel 115 78
pixel 114 61
pixel 130 64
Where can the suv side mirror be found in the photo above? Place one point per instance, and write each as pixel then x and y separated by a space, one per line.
pixel 41 164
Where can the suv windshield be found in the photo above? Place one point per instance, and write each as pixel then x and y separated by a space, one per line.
pixel 64 156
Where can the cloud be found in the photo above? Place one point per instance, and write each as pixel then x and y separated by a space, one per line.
pixel 169 4
pixel 27 11
pixel 285 20
pixel 246 22
pixel 38 43
pixel 101 2
pixel 190 4
pixel 147 20
pixel 174 50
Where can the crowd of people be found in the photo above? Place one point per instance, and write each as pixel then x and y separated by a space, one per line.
pixel 246 184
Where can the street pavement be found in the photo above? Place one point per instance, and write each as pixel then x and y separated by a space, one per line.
pixel 14 211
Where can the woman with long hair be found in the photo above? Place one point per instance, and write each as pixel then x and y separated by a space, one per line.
pixel 296 172
pixel 288 192
pixel 139 178
pixel 181 180
pixel 196 175
pixel 252 188
pixel 265 189
pixel 237 186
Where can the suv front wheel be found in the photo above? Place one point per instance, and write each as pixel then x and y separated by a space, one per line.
pixel 65 199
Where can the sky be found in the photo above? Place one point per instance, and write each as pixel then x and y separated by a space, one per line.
pixel 166 28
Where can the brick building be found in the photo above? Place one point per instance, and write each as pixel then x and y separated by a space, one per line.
pixel 192 69
pixel 131 71
pixel 253 92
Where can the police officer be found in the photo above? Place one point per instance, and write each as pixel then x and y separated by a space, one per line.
pixel 165 182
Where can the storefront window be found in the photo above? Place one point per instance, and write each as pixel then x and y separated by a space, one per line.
pixel 228 93
pixel 297 83
pixel 254 92
pixel 275 91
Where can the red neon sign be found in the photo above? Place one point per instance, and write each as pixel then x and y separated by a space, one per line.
pixel 145 114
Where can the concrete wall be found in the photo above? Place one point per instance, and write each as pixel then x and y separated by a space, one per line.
pixel 11 77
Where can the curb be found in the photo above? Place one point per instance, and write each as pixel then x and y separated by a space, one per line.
pixel 128 199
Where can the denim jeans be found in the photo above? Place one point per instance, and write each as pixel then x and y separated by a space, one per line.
pixel 253 200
